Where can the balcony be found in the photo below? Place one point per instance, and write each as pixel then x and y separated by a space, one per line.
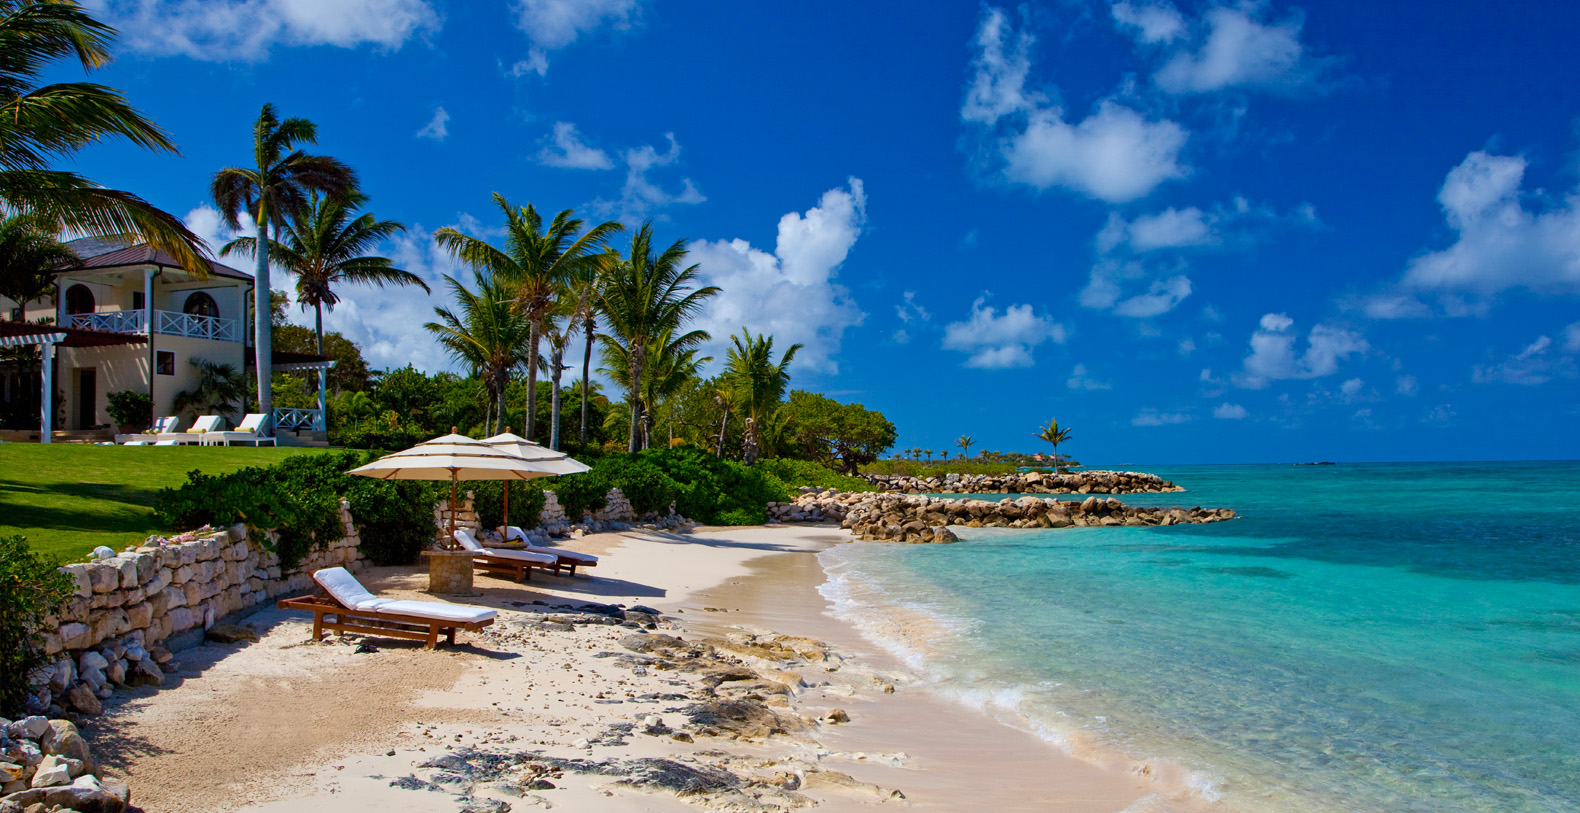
pixel 168 323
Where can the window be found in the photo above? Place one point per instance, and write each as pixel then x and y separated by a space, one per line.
pixel 165 362
pixel 16 314
pixel 137 300
pixel 79 299
pixel 200 304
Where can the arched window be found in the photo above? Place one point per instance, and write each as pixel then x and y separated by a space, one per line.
pixel 79 299
pixel 201 304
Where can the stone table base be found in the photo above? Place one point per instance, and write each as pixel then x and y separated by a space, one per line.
pixel 449 572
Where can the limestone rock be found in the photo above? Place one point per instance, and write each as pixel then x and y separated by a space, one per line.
pixel 231 634
pixel 83 698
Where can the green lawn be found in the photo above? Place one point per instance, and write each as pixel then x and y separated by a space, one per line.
pixel 69 498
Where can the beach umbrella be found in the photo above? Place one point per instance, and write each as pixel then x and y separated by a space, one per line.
pixel 453 457
pixel 548 459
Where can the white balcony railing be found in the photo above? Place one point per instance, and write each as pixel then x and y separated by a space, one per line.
pixel 299 420
pixel 110 321
pixel 169 323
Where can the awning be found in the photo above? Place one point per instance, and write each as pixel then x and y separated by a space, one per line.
pixel 16 334
pixel 286 361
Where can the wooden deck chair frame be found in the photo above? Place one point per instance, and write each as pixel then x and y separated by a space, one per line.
pixel 373 622
pixel 560 559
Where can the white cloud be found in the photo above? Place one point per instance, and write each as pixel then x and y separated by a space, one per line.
pixel 1272 356
pixel 1187 346
pixel 568 151
pixel 435 128
pixel 245 30
pixel 206 222
pixel 910 311
pixel 554 24
pixel 641 196
pixel 1234 48
pixel 1173 228
pixel 901 336
pixel 1572 338
pixel 537 62
pixel 1500 244
pixel 790 294
pixel 1352 389
pixel 1230 412
pixel 1080 380
pixel 387 322
pixel 1115 154
pixel 1001 340
pixel 1106 284
pixel 1152 417
pixel 1534 365
pixel 1150 23
pixel 1406 385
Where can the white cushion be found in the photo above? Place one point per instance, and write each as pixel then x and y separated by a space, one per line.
pixel 520 555
pixel 338 582
pixel 468 541
pixel 569 554
pixel 437 611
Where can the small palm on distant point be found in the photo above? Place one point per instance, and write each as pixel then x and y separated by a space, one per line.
pixel 964 442
pixel 1055 435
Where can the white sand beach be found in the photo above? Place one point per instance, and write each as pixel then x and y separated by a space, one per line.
pixel 533 714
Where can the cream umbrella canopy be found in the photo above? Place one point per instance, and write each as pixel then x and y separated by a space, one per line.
pixel 541 456
pixel 455 458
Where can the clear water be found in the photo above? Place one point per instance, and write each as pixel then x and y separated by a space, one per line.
pixel 1366 637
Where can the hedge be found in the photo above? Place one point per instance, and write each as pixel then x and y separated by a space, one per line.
pixel 31 589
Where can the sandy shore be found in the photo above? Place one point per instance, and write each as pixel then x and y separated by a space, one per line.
pixel 734 715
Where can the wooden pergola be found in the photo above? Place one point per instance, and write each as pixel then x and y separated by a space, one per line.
pixel 47 337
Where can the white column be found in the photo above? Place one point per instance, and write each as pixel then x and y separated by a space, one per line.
pixel 148 301
pixel 323 403
pixel 47 419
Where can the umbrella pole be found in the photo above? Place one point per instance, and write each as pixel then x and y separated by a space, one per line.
pixel 504 520
pixel 450 543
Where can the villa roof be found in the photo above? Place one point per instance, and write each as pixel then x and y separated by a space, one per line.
pixel 19 333
pixel 101 253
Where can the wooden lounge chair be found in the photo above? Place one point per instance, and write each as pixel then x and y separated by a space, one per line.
pixel 247 432
pixel 162 426
pixel 568 559
pixel 206 423
pixel 516 564
pixel 347 606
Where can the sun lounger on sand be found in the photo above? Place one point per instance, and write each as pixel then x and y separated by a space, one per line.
pixel 349 607
pixel 567 558
pixel 517 564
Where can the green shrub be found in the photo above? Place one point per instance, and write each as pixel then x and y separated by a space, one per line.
pixel 647 486
pixel 131 408
pixel 797 473
pixel 31 589
pixel 742 516
pixel 917 468
pixel 394 518
pixel 526 501
pixel 580 493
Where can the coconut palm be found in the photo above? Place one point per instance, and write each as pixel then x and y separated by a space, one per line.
pixel 669 362
pixel 558 329
pixel 40 125
pixel 1055 435
pixel 647 295
pixel 28 252
pixel 584 292
pixel 325 245
pixel 489 335
pixel 273 192
pixel 537 262
pixel 964 442
pixel 757 383
pixel 220 388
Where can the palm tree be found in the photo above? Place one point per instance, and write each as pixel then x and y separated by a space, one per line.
pixel 669 363
pixel 757 384
pixel 220 387
pixel 40 125
pixel 537 262
pixel 964 442
pixel 1055 435
pixel 28 252
pixel 325 246
pixel 274 192
pixel 489 335
pixel 559 326
pixel 584 291
pixel 646 296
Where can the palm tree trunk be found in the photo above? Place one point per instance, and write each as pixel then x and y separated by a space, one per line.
pixel 318 325
pixel 636 398
pixel 724 422
pixel 262 338
pixel 555 357
pixel 586 372
pixel 532 381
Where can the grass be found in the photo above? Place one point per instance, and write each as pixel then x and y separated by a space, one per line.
pixel 69 498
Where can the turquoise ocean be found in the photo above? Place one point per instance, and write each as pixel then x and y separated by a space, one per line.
pixel 1365 637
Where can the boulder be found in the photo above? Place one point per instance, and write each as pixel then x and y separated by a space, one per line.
pixel 82 697
pixel 52 772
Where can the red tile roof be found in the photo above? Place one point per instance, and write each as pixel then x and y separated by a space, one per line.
pixel 100 253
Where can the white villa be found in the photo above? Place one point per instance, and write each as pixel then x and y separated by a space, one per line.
pixel 134 319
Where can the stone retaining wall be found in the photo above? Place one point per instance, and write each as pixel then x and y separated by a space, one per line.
pixel 919 518
pixel 1034 482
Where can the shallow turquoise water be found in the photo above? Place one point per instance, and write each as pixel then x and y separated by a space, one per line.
pixel 1371 637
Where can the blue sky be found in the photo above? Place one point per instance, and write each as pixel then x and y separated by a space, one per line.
pixel 1195 232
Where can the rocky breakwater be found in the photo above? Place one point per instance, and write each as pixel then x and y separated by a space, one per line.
pixel 45 766
pixel 921 519
pixel 1033 482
